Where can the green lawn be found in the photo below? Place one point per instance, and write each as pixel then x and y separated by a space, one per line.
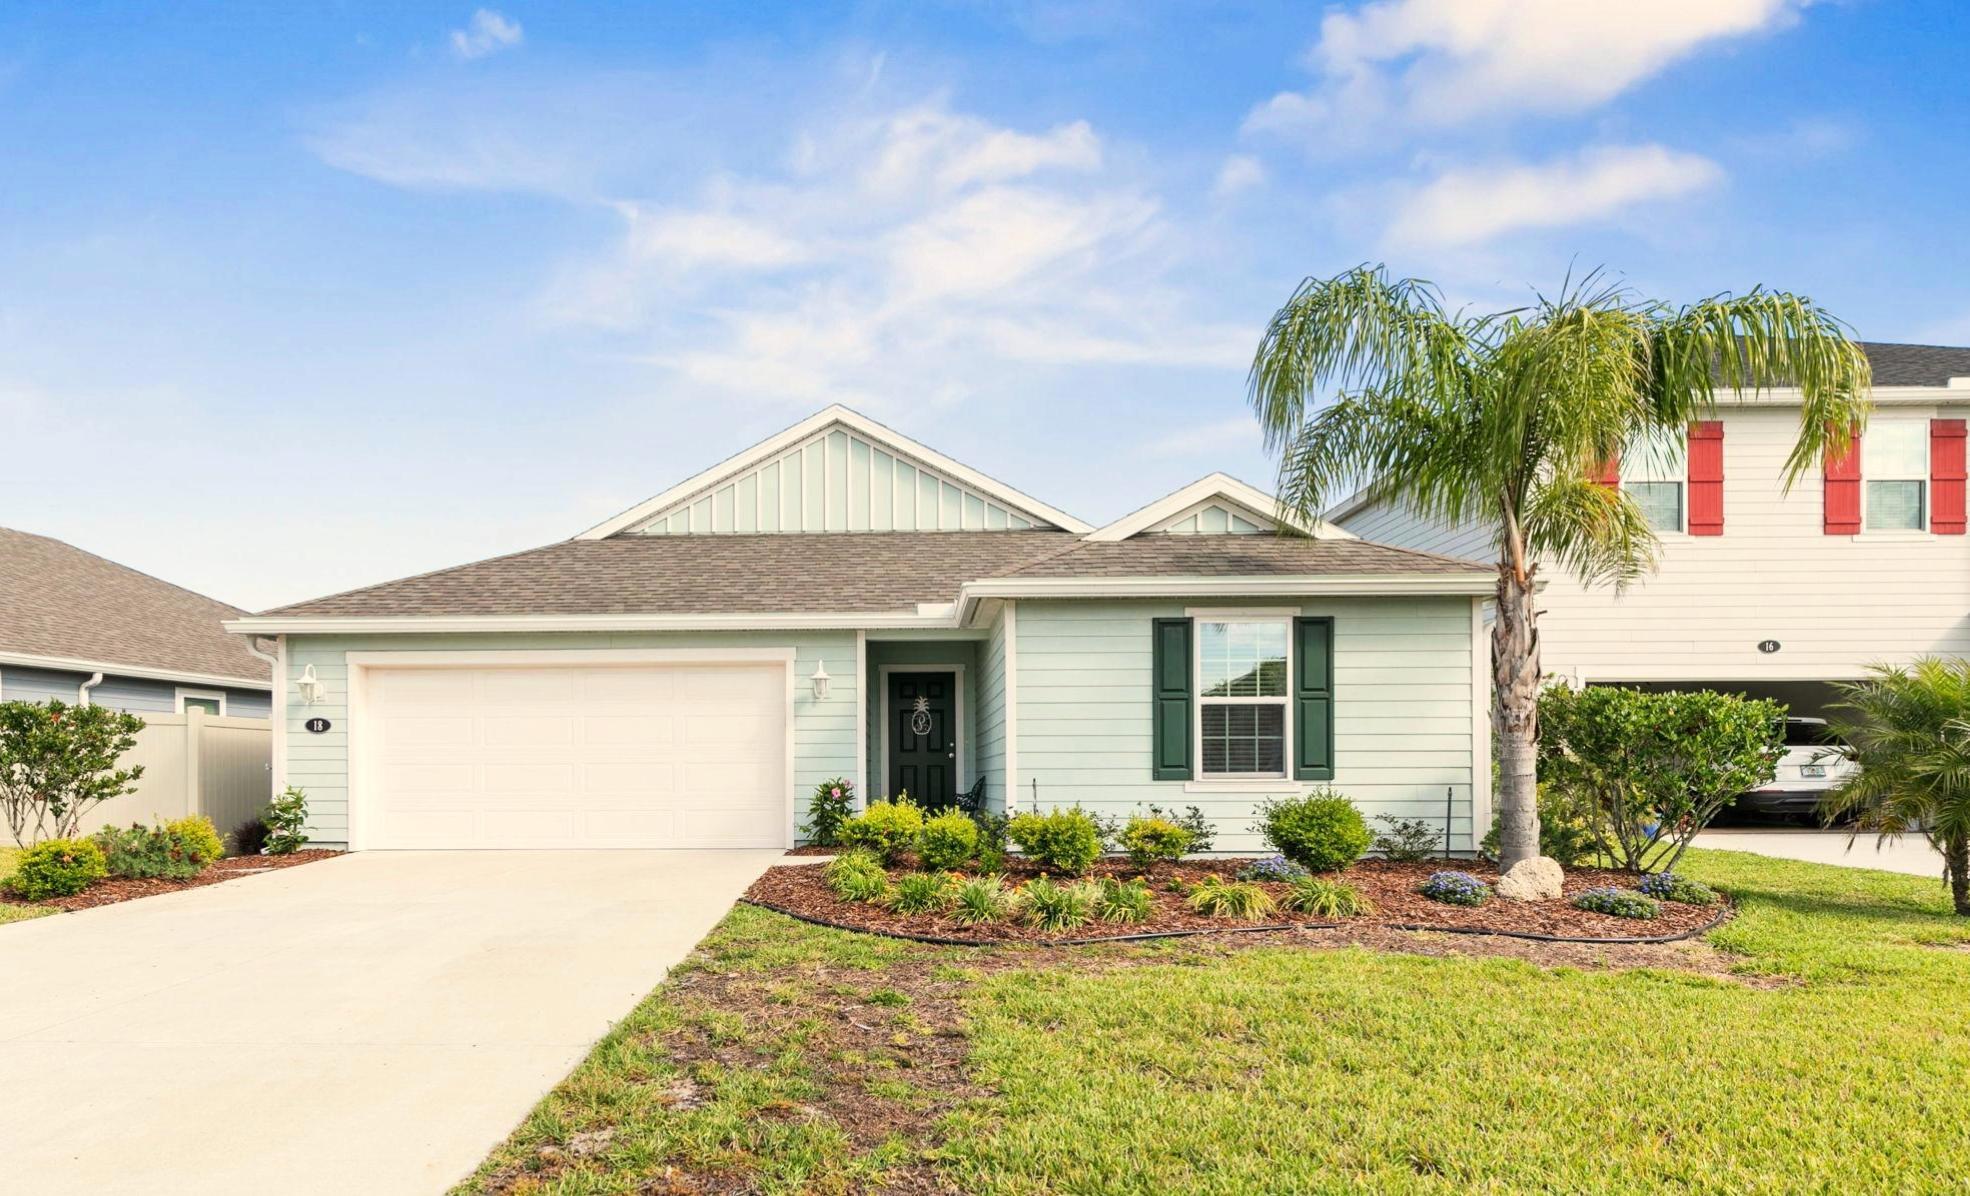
pixel 17 913
pixel 790 1058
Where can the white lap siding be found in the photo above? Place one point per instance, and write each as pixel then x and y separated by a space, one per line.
pixel 1405 709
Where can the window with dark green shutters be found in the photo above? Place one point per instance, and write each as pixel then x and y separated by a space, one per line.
pixel 1242 698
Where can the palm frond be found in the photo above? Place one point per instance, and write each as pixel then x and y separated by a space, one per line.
pixel 1594 532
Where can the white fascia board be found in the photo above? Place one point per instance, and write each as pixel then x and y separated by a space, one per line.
pixel 465 624
pixel 70 664
pixel 1241 587
pixel 1217 485
pixel 772 446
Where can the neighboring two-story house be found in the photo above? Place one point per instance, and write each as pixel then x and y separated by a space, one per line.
pixel 1760 590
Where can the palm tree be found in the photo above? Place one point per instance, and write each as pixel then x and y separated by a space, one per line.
pixel 1503 419
pixel 1908 727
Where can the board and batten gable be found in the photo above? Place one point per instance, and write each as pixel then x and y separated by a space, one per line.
pixel 824 731
pixel 1410 710
pixel 1833 603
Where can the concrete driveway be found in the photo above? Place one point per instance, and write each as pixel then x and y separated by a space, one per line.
pixel 373 1023
pixel 1911 853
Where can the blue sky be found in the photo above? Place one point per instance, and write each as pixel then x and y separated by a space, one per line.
pixel 293 300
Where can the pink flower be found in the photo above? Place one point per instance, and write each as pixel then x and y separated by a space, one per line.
pixel 836 792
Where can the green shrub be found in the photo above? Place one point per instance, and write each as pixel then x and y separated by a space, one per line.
pixel 1321 832
pixel 286 820
pixel 1051 906
pixel 948 840
pixel 1325 898
pixel 58 762
pixel 1059 840
pixel 1203 832
pixel 1618 902
pixel 56 868
pixel 1122 900
pixel 980 899
pixel 1408 840
pixel 831 806
pixel 1217 897
pixel 856 876
pixel 1566 833
pixel 250 838
pixel 920 893
pixel 198 837
pixel 887 828
pixel 176 851
pixel 991 851
pixel 1150 839
pixel 1669 886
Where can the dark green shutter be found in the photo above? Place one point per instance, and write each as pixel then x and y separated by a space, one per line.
pixel 1169 700
pixel 1313 699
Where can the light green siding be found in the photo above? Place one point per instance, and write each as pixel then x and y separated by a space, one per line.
pixel 824 731
pixel 992 715
pixel 1403 710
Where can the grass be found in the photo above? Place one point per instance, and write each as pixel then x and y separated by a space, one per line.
pixel 1836 1051
pixel 18 913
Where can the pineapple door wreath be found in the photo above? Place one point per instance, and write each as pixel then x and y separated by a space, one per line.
pixel 920 717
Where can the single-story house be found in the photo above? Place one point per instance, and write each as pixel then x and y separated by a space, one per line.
pixel 842 601
pixel 81 629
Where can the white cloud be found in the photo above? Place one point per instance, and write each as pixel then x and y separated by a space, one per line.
pixel 1240 172
pixel 486 33
pixel 1469 206
pixel 1448 62
pixel 686 239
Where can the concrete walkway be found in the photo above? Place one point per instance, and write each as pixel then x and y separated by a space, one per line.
pixel 373 1024
pixel 1911 853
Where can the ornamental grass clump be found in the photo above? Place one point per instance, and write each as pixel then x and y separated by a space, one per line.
pixel 1121 900
pixel 979 900
pixel 1050 906
pixel 921 893
pixel 1059 840
pixel 1455 888
pixel 1668 886
pixel 1325 898
pixel 888 828
pixel 948 840
pixel 1618 902
pixel 1149 840
pixel 1321 832
pixel 1272 868
pixel 856 876
pixel 1217 897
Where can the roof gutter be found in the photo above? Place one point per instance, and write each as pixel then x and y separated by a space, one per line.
pixel 71 664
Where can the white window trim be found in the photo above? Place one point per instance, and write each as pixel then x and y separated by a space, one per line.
pixel 1240 780
pixel 883 672
pixel 1636 458
pixel 217 695
pixel 1928 467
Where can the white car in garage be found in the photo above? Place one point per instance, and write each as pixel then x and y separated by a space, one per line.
pixel 1815 761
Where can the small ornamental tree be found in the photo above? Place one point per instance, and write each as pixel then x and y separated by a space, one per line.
pixel 1652 769
pixel 58 762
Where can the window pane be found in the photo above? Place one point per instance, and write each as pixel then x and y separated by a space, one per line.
pixel 1661 503
pixel 1658 458
pixel 209 705
pixel 1242 660
pixel 1244 738
pixel 1895 449
pixel 1893 505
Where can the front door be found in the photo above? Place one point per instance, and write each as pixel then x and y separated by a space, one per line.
pixel 922 717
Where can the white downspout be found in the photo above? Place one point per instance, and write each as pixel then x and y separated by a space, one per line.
pixel 82 692
pixel 277 754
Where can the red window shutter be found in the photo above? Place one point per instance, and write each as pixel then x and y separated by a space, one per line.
pixel 1843 491
pixel 1946 477
pixel 1607 473
pixel 1706 465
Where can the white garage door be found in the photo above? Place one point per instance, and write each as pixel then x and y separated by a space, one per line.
pixel 642 756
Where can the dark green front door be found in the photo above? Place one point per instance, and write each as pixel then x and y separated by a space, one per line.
pixel 922 716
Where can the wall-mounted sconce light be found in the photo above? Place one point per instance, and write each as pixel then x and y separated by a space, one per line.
pixel 309 686
pixel 821 680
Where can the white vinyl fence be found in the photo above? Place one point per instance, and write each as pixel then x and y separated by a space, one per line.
pixel 194 763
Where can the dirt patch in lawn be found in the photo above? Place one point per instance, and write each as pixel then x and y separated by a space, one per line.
pixel 117 888
pixel 1391 887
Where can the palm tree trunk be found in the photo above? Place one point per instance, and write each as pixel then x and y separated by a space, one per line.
pixel 1956 866
pixel 1515 715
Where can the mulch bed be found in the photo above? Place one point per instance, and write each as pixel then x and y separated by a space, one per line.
pixel 800 891
pixel 117 888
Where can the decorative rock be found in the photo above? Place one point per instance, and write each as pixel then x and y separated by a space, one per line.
pixel 1536 879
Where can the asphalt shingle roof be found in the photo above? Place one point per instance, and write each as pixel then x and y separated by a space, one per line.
pixel 1916 365
pixel 845 572
pixel 57 600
